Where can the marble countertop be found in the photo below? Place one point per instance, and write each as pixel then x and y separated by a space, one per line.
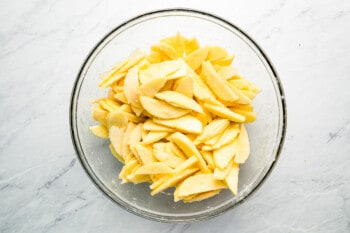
pixel 43 188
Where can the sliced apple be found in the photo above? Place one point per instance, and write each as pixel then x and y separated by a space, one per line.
pixel 223 155
pixel 243 148
pixel 195 59
pixel 179 100
pixel 144 153
pixel 116 154
pixel 232 179
pixel 186 124
pixel 215 127
pixel 217 84
pixel 228 136
pixel 99 131
pixel 161 109
pixel 131 85
pixel 151 87
pixel 188 148
pixel 117 118
pixel 227 72
pixel 216 53
pixel 152 137
pixel 184 86
pixel 224 112
pixel 200 183
pixel 116 135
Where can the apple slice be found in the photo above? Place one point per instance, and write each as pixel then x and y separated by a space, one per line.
pixel 188 148
pixel 223 155
pixel 184 86
pixel 243 146
pixel 186 124
pixel 131 85
pixel 228 136
pixel 224 112
pixel 144 153
pixel 179 100
pixel 116 135
pixel 195 59
pixel 217 84
pixel 232 179
pixel 161 109
pixel 99 131
pixel 200 183
pixel 215 127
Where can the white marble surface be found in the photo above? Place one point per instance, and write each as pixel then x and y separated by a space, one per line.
pixel 43 188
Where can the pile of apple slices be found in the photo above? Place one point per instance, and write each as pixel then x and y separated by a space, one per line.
pixel 175 118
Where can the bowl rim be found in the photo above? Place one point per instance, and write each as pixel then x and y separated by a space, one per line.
pixel 152 216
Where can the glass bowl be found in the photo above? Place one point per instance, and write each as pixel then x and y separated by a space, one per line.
pixel 266 133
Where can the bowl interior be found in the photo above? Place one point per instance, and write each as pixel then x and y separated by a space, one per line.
pixel 266 133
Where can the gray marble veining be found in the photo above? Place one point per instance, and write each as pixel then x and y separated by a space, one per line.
pixel 43 188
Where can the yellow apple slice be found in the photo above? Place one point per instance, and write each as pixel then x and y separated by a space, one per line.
pixel 227 72
pixel 100 115
pixel 152 126
pixel 201 196
pixel 186 124
pixel 184 86
pixel 249 116
pixel 208 157
pixel 109 79
pixel 224 112
pixel 159 70
pixel 177 42
pixel 217 84
pixel 126 152
pixel 117 118
pixel 116 137
pixel 221 174
pixel 137 179
pixel 99 131
pixel 151 87
pixel 152 137
pixel 195 59
pixel 135 137
pixel 223 155
pixel 116 154
pixel 225 61
pixel 131 85
pixel 228 136
pixel 161 109
pixel 188 148
pixel 173 180
pixel 190 45
pixel 214 128
pixel 127 169
pixel 179 100
pixel 145 154
pixel 242 99
pixel 168 50
pixel 168 158
pixel 189 163
pixel 200 183
pixel 121 97
pixel 132 60
pixel 243 148
pixel 232 179
pixel 216 53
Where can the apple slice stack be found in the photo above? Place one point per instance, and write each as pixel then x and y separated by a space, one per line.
pixel 175 118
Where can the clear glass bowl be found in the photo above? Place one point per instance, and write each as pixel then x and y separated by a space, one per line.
pixel 266 133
